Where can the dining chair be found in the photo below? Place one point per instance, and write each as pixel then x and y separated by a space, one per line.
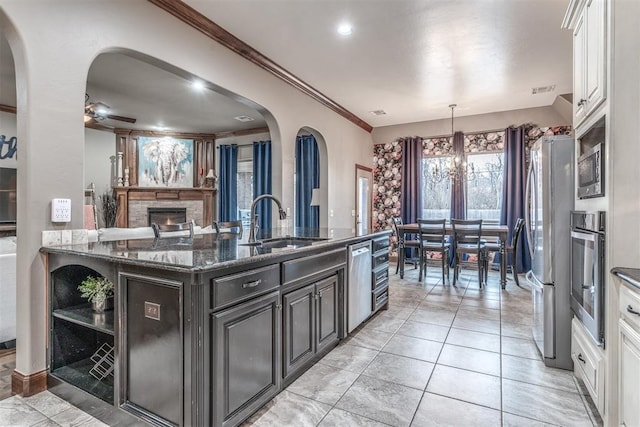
pixel 182 229
pixel 467 240
pixel 433 239
pixel 511 251
pixel 230 227
pixel 403 244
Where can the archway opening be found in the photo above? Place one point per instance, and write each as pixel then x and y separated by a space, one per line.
pixel 311 179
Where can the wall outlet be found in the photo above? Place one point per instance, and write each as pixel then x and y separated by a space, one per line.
pixel 353 212
pixel 61 210
pixel 331 213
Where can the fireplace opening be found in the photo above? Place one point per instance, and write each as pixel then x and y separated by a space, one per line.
pixel 164 216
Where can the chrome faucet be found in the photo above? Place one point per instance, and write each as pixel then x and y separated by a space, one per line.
pixel 254 216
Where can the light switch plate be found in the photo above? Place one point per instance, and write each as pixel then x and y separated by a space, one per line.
pixel 61 210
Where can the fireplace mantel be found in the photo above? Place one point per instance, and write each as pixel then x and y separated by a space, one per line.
pixel 130 197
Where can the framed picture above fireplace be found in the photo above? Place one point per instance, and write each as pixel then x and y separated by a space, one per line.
pixel 165 162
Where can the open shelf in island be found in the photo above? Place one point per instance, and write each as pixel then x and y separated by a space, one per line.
pixel 84 315
pixel 77 374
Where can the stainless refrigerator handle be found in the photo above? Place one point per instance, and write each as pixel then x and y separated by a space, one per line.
pixel 583 236
pixel 527 216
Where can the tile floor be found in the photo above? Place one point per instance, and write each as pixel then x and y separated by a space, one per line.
pixel 7 365
pixel 439 356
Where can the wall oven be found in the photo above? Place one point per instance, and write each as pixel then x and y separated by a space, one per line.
pixel 587 271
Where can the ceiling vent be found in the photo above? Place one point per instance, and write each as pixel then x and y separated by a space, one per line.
pixel 543 89
pixel 378 112
pixel 244 118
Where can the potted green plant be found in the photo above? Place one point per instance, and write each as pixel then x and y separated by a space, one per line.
pixel 99 292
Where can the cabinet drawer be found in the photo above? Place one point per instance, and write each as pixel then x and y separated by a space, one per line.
pixel 228 290
pixel 629 305
pixel 379 297
pixel 379 276
pixel 379 259
pixel 587 363
pixel 379 243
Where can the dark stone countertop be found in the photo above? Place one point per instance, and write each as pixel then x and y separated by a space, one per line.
pixel 206 252
pixel 631 276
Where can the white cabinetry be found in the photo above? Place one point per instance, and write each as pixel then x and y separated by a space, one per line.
pixel 629 358
pixel 588 363
pixel 587 18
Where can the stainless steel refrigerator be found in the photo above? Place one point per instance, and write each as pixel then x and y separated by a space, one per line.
pixel 550 199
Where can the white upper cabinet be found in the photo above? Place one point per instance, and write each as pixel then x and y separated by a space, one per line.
pixel 588 21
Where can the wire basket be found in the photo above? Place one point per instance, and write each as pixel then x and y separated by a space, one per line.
pixel 103 359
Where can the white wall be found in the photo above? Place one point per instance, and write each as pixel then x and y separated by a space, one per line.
pixel 8 129
pixel 50 85
pixel 541 116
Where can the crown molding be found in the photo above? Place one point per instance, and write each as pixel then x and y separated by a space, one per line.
pixel 7 109
pixel 242 132
pixel 215 32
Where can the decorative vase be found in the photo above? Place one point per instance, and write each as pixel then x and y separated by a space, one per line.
pixel 104 305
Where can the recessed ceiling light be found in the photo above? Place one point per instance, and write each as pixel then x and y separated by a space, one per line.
pixel 244 118
pixel 345 29
pixel 378 112
pixel 198 85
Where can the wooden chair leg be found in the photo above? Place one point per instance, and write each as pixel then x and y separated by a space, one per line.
pixel 446 264
pixel 514 267
pixel 442 259
pixel 455 269
pixel 485 264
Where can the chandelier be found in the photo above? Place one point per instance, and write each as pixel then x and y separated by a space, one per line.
pixel 457 168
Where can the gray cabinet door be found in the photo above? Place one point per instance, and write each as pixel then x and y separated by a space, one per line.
pixel 246 366
pixel 299 325
pixel 327 314
pixel 152 335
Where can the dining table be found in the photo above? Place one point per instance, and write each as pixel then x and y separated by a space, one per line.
pixel 489 230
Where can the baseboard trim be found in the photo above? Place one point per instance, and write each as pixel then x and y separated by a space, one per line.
pixel 28 385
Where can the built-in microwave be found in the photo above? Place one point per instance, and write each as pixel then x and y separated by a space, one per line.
pixel 591 173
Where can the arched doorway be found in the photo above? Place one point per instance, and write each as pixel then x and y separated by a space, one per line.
pixel 8 215
pixel 150 99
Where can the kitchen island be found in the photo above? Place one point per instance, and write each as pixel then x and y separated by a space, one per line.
pixel 205 330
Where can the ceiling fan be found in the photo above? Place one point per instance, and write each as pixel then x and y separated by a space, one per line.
pixel 100 111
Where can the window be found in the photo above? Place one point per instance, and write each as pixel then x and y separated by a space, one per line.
pixel 245 190
pixel 484 185
pixel 436 187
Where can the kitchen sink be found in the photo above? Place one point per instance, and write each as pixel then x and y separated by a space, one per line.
pixel 285 242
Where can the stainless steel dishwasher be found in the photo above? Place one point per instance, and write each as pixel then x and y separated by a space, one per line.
pixel 359 283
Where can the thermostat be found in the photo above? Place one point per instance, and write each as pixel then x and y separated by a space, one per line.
pixel 61 210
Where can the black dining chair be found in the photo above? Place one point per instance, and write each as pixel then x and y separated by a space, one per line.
pixel 433 239
pixel 511 251
pixel 230 227
pixel 182 229
pixel 467 241
pixel 403 243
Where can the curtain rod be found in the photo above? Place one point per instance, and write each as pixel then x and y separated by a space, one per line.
pixel 475 132
pixel 238 145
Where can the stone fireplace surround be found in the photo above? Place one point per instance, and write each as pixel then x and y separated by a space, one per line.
pixel 133 204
